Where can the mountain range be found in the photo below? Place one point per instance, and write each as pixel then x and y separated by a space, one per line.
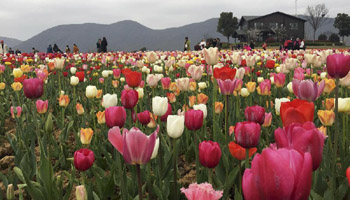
pixel 130 35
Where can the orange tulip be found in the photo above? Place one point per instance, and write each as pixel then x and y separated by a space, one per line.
pixel 330 103
pixel 326 117
pixel 115 83
pixel 239 152
pixel 231 129
pixel 173 86
pixel 193 86
pixel 99 94
pixel 329 86
pixel 171 97
pixel 80 109
pixel 323 130
pixel 101 119
pixel 63 100
pixel 202 98
pixel 218 107
pixel 86 135
pixel 191 100
pixel 152 123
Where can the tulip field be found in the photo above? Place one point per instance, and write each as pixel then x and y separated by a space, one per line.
pixel 202 125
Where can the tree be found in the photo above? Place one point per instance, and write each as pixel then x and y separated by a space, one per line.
pixel 334 38
pixel 342 22
pixel 316 16
pixel 227 25
pixel 322 37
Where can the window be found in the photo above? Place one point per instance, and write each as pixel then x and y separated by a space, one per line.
pixel 293 26
pixel 259 25
pixel 273 25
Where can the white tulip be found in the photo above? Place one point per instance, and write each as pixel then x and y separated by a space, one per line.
pixel 109 100
pixel 201 107
pixel 344 104
pixel 59 63
pixel 278 104
pixel 202 85
pixel 91 91
pixel 244 92
pixel 105 73
pixel 74 80
pixel 260 79
pixel 73 70
pixel 155 150
pixel 159 105
pixel 175 125
pixel 140 92
pixel 290 87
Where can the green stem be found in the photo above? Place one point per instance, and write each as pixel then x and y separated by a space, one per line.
pixel 210 175
pixel 139 181
pixel 246 158
pixel 175 168
pixel 195 141
pixel 240 176
pixel 226 118
pixel 335 150
pixel 59 81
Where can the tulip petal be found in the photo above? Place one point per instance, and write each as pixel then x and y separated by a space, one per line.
pixel 116 139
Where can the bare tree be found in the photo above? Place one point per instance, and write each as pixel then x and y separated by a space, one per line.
pixel 315 15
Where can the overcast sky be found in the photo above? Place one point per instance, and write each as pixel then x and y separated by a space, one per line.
pixel 22 19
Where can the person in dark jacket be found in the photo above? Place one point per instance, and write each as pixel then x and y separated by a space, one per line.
pixel 104 45
pixel 49 49
pixel 98 45
pixel 56 49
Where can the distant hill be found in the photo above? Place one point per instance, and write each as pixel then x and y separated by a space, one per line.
pixel 124 35
pixel 11 42
pixel 130 35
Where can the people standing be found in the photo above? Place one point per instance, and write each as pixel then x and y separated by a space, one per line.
pixel 17 52
pixel 264 46
pixel 56 49
pixel 187 44
pixel 75 49
pixel 302 44
pixel 252 44
pixel 202 44
pixel 3 47
pixel 104 45
pixel 296 44
pixel 67 49
pixel 49 49
pixel 98 45
pixel 218 43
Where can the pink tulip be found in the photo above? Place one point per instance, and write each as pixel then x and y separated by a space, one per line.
pixel 307 90
pixel 152 80
pixel 2 69
pixel 194 119
pixel 183 84
pixel 203 191
pixel 83 159
pixel 115 116
pixel 18 111
pixel 265 87
pixel 41 106
pixel 338 65
pixel 116 73
pixel 33 88
pixel 165 83
pixel 209 153
pixel 255 114
pixel 247 134
pixel 129 98
pixel 280 174
pixel 299 73
pixel 279 79
pixel 144 117
pixel 303 138
pixel 196 72
pixel 227 86
pixel 135 146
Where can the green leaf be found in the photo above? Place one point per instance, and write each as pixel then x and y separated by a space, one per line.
pixel 341 191
pixel 45 172
pixel 230 180
pixel 157 191
pixel 315 196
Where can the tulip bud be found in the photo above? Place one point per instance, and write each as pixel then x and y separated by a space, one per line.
pixel 219 106
pixel 175 125
pixel 80 192
pixel 49 124
pixel 10 193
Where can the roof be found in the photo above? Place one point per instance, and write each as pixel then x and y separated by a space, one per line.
pixel 278 12
pixel 248 18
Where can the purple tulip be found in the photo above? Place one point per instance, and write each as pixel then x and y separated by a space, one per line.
pixel 303 138
pixel 278 174
pixel 338 65
pixel 307 89
pixel 135 146
pixel 33 88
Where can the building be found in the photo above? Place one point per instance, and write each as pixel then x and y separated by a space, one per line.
pixel 275 26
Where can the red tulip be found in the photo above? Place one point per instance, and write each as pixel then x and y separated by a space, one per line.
pixel 224 73
pixel 80 75
pixel 239 152
pixel 255 114
pixel 338 65
pixel 33 88
pixel 303 138
pixel 129 98
pixel 144 117
pixel 165 83
pixel 247 134
pixel 194 119
pixel 296 111
pixel 209 153
pixel 278 174
pixel 168 112
pixel 115 116
pixel 133 79
pixel 83 159
pixel 270 64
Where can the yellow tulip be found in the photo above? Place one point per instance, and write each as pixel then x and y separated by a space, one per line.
pixel 86 135
pixel 326 117
pixel 16 86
